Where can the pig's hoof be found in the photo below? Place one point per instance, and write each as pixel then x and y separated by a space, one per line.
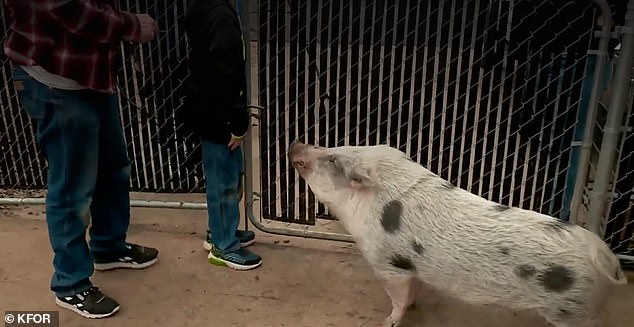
pixel 388 322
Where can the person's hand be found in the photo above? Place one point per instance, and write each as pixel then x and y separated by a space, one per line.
pixel 149 28
pixel 235 142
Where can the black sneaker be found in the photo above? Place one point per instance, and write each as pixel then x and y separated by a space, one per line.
pixel 135 257
pixel 90 303
pixel 246 238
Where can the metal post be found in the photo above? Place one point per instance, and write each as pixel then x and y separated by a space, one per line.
pixel 586 145
pixel 251 96
pixel 613 127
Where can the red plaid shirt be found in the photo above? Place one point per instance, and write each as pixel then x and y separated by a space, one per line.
pixel 77 39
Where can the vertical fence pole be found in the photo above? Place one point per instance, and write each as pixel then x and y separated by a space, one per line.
pixel 246 7
pixel 613 128
pixel 586 145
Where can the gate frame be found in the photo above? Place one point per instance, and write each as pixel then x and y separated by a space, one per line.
pixel 249 14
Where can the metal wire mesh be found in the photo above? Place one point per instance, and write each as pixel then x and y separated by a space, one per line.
pixel 21 165
pixel 619 232
pixel 164 156
pixel 153 77
pixel 484 93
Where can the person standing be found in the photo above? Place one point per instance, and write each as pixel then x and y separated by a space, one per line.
pixel 216 112
pixel 64 55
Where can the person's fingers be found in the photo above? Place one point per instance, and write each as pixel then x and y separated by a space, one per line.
pixel 234 144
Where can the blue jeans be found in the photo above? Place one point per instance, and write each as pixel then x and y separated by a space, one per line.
pixel 80 134
pixel 224 170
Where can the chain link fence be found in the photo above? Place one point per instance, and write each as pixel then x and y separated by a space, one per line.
pixel 152 78
pixel 21 165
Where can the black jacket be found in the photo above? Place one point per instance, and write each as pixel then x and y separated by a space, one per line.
pixel 215 101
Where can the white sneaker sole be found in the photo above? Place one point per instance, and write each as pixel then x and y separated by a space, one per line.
pixel 220 262
pixel 84 313
pixel 128 265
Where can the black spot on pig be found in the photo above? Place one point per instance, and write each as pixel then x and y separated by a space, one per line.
pixel 401 262
pixel 525 271
pixel 504 250
pixel 391 217
pixel 557 278
pixel 418 248
pixel 501 208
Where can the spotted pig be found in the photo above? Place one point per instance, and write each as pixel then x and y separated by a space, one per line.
pixel 411 224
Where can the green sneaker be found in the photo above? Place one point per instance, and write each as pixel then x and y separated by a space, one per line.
pixel 240 259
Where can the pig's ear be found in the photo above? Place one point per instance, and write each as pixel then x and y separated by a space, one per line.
pixel 361 177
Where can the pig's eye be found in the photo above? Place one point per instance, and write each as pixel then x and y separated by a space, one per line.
pixel 332 159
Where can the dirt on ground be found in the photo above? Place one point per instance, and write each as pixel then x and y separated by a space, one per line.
pixel 302 282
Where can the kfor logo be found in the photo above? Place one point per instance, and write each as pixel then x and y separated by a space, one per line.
pixel 31 319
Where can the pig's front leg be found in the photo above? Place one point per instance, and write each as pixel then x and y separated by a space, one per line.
pixel 399 287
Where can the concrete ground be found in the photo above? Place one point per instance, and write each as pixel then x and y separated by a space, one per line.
pixel 302 282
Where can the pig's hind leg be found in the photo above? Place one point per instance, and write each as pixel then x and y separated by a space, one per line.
pixel 401 290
